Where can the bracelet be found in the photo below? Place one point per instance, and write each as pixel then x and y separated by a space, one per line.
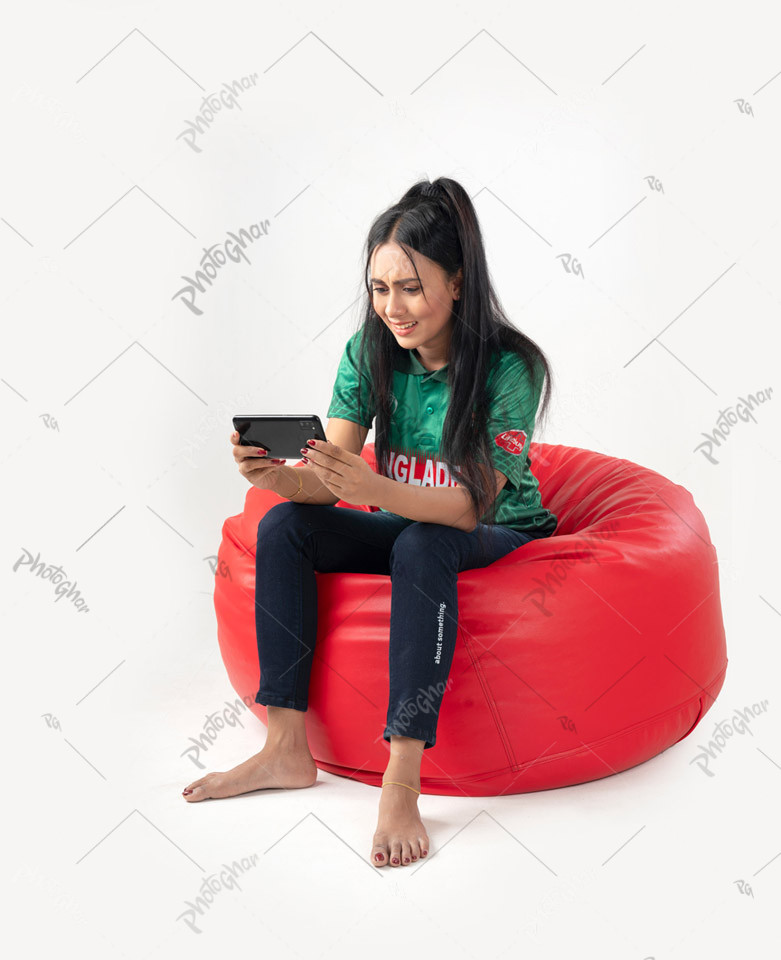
pixel 300 488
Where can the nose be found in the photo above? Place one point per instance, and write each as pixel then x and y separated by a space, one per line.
pixel 395 308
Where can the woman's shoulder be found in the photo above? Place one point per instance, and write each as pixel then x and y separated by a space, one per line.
pixel 507 365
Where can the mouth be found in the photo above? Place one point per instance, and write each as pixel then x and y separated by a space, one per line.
pixel 404 327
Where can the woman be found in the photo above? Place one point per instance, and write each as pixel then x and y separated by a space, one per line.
pixel 453 387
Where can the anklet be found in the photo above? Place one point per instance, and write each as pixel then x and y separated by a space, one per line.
pixel 400 784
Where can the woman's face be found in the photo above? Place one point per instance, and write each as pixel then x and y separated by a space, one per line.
pixel 398 299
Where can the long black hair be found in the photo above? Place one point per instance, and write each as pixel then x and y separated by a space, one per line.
pixel 438 220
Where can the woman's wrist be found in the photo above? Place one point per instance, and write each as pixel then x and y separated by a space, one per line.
pixel 288 483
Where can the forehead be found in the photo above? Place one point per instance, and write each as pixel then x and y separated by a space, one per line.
pixel 390 261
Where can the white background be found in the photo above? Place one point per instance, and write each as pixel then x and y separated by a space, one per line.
pixel 644 140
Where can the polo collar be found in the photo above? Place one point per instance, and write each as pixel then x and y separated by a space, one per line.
pixel 408 363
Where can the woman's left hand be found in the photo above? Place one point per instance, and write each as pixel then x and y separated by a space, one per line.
pixel 347 475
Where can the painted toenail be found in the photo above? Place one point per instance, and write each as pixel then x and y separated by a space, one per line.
pixel 425 853
pixel 414 858
pixel 186 792
pixel 395 860
pixel 406 859
pixel 378 856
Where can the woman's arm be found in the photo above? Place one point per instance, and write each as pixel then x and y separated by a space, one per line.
pixel 451 506
pixel 313 490
pixel 346 434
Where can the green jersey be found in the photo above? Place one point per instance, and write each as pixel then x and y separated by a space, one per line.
pixel 419 405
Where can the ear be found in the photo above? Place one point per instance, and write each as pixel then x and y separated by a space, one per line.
pixel 457 282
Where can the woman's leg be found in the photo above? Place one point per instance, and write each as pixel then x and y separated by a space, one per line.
pixel 425 562
pixel 294 540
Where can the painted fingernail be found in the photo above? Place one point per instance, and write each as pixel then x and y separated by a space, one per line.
pixel 311 443
pixel 305 459
pixel 262 452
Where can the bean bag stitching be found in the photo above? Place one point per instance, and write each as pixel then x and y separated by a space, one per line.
pixel 656 718
pixel 575 752
pixel 489 698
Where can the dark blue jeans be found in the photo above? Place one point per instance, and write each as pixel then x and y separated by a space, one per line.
pixel 423 561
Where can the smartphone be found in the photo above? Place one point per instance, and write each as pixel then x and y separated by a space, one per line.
pixel 282 435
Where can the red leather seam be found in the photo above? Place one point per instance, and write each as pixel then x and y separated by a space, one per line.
pixel 489 699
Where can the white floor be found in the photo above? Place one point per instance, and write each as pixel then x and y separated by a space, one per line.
pixel 104 855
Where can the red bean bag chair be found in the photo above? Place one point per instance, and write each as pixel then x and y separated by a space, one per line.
pixel 577 657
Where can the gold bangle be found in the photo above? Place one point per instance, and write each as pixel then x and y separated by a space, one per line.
pixel 300 487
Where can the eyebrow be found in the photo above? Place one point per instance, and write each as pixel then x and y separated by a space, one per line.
pixel 406 280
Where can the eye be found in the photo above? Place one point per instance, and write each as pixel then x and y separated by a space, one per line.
pixel 405 289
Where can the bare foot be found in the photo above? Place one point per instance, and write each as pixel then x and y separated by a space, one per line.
pixel 400 837
pixel 274 766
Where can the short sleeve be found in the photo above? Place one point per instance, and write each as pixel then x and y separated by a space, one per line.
pixel 346 403
pixel 511 417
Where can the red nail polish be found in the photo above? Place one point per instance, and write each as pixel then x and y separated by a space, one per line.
pixel 395 860
pixel 425 853
pixel 311 443
pixel 378 856
pixel 305 459
pixel 186 793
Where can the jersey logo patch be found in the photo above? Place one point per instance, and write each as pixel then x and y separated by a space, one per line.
pixel 512 441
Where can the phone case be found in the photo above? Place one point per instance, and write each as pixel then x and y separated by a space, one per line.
pixel 282 435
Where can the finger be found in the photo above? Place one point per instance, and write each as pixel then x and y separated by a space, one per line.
pixel 247 469
pixel 244 452
pixel 327 474
pixel 331 450
pixel 258 459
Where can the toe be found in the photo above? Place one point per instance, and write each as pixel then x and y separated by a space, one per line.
pixel 191 786
pixel 395 854
pixel 194 794
pixel 406 853
pixel 379 855
pixel 423 846
pixel 414 848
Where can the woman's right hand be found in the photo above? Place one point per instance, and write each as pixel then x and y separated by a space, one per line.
pixel 260 472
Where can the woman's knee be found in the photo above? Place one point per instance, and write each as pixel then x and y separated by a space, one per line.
pixel 282 516
pixel 421 542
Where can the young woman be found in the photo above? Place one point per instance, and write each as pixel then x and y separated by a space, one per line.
pixel 453 389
